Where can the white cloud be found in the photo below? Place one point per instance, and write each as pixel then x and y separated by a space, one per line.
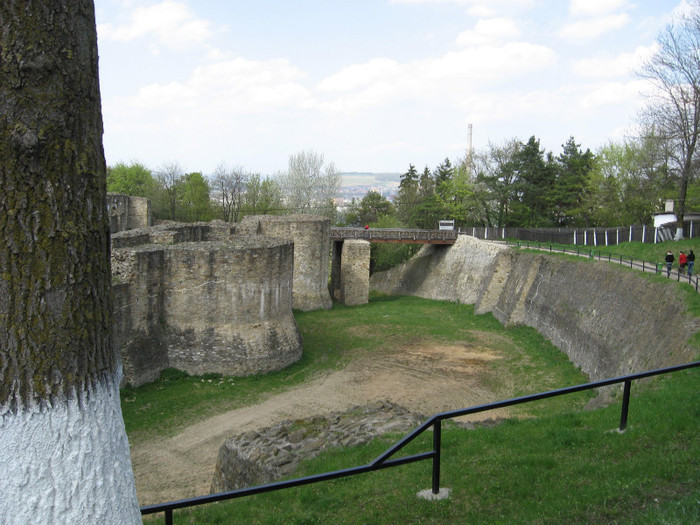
pixel 233 86
pixel 170 22
pixel 596 7
pixel 594 27
pixel 610 94
pixel 489 31
pixel 612 66
pixel 447 78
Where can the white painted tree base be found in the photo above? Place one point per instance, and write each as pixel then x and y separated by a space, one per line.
pixel 68 464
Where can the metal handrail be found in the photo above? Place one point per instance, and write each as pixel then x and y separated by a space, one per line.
pixel 640 264
pixel 383 461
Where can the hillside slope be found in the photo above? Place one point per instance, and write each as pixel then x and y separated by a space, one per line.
pixel 608 321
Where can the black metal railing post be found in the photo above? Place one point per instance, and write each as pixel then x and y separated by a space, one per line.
pixel 625 405
pixel 437 439
pixel 169 517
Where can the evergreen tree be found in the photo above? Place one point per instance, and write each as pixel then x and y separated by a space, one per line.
pixel 573 170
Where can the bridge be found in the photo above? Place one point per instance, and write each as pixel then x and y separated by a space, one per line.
pixel 351 254
pixel 395 235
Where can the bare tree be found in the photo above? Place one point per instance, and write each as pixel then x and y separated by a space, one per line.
pixel 310 185
pixel 229 186
pixel 65 456
pixel 674 105
pixel 169 176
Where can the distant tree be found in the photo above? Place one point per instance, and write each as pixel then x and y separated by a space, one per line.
pixel 387 255
pixel 443 173
pixel 628 182
pixel 497 182
pixel 372 206
pixel 674 105
pixel 573 167
pixel 65 455
pixel 407 199
pixel 536 174
pixel 426 184
pixel 194 203
pixel 168 177
pixel 457 200
pixel 262 197
pixel 229 187
pixel 310 185
pixel 133 179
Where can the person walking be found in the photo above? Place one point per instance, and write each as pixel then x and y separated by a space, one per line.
pixel 669 262
pixel 691 263
pixel 682 262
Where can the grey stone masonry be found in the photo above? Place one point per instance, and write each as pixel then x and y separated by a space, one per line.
pixel 354 272
pixel 199 299
pixel 255 458
pixel 311 237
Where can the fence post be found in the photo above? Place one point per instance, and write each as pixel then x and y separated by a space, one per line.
pixel 631 228
pixel 625 405
pixel 644 233
pixel 437 439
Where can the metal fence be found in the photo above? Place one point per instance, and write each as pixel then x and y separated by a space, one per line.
pixel 435 423
pixel 585 236
pixel 658 268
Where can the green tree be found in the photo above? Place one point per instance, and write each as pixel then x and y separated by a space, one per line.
pixel 133 179
pixel 387 255
pixel 372 206
pixel 407 199
pixel 194 203
pixel 536 175
pixel 443 173
pixel 262 197
pixel 573 168
pixel 496 187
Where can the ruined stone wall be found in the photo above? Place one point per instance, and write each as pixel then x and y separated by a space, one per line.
pixel 228 306
pixel 311 237
pixel 201 305
pixel 128 213
pixel 607 320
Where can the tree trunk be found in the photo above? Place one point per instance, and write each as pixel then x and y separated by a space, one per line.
pixel 63 452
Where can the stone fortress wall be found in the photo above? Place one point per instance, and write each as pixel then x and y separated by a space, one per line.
pixel 128 213
pixel 311 236
pixel 608 321
pixel 202 299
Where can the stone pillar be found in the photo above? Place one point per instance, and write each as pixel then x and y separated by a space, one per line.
pixel 354 272
pixel 311 237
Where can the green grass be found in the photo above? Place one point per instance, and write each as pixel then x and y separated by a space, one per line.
pixel 653 253
pixel 572 468
pixel 564 465
pixel 332 338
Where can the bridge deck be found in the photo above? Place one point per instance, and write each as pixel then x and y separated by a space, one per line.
pixel 396 235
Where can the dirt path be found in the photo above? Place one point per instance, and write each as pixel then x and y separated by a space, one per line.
pixel 424 380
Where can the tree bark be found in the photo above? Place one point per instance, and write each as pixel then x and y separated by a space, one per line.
pixel 59 373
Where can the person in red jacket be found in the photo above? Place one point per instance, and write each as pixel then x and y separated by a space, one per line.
pixel 682 262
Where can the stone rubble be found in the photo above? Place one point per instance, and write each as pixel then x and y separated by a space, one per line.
pixel 260 457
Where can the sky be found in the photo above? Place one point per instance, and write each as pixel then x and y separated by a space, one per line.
pixel 372 85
